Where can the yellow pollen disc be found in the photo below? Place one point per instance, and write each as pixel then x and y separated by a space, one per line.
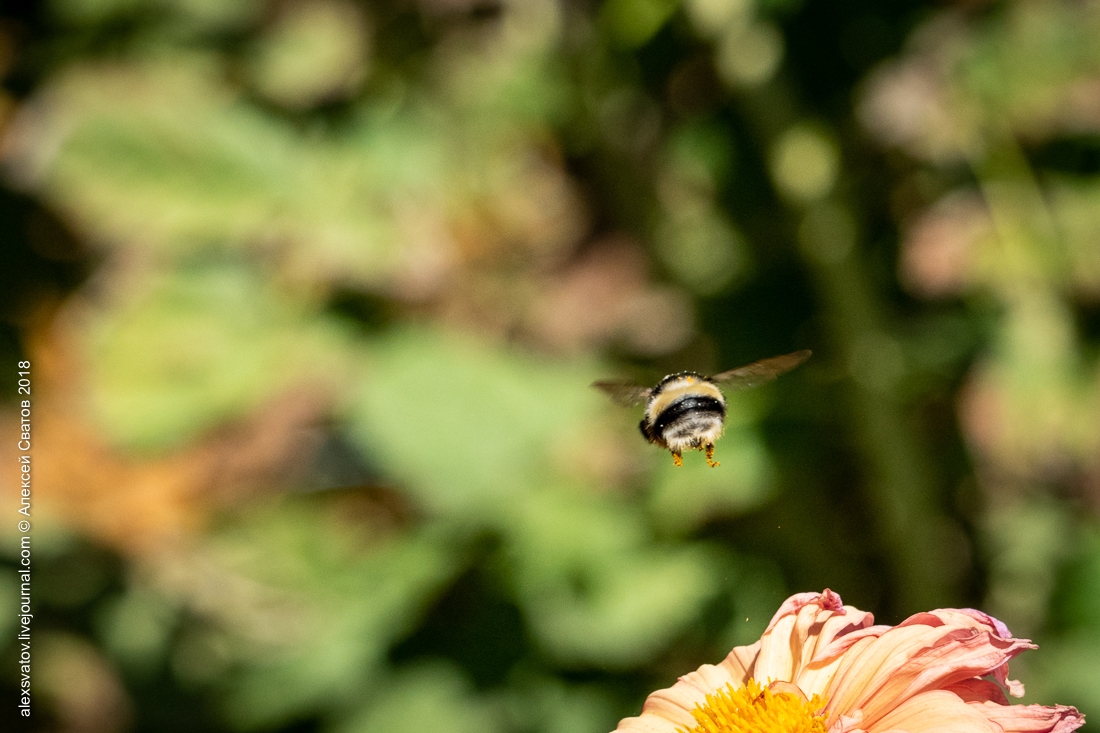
pixel 753 709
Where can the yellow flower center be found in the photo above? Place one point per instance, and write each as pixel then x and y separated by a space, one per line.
pixel 753 709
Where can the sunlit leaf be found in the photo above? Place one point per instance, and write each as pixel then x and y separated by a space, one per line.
pixel 462 425
pixel 185 353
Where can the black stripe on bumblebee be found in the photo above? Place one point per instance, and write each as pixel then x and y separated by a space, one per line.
pixel 687 410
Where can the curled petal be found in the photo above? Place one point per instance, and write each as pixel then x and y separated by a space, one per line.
pixel 937 711
pixel 1032 718
pixel 927 652
pixel 817 677
pixel 788 688
pixel 841 644
pixel 805 625
pixel 958 656
pixel 968 617
pixel 868 671
pixel 848 723
pixel 672 706
pixel 826 599
pixel 976 690
pixel 986 620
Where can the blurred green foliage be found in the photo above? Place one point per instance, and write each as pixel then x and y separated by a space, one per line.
pixel 439 221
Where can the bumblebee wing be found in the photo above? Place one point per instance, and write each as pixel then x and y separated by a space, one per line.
pixel 625 392
pixel 759 372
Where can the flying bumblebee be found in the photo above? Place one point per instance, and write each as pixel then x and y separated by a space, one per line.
pixel 687 411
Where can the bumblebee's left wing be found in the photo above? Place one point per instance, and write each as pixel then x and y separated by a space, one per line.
pixel 623 391
pixel 759 372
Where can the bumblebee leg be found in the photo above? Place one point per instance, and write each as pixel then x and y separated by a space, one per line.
pixel 677 459
pixel 710 456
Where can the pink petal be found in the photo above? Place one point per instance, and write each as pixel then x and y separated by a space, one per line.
pixel 869 668
pixel 928 652
pixel 776 661
pixel 826 599
pixel 958 656
pixel 646 725
pixel 987 620
pixel 969 617
pixel 1032 718
pixel 841 644
pixel 977 690
pixel 848 723
pixel 817 677
pixel 820 631
pixel 666 709
pixel 740 663
pixel 932 712
pixel 805 624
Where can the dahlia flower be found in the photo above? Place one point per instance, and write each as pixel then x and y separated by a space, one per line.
pixel 822 667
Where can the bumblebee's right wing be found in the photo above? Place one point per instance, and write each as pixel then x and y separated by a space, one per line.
pixel 623 391
pixel 759 372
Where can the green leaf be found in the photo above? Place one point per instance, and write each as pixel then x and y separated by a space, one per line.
pixel 462 425
pixel 593 587
pixel 633 22
pixel 316 51
pixel 432 698
pixel 195 348
pixel 328 602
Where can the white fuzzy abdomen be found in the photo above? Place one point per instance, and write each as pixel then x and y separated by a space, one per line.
pixel 693 431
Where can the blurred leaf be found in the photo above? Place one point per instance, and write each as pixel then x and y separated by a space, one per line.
pixel 1066 670
pixel 700 246
pixel 137 628
pixel 9 596
pixel 749 54
pixel 76 684
pixel 712 17
pixel 684 498
pixel 465 426
pixel 1027 542
pixel 332 603
pixel 1028 65
pixel 546 705
pixel 424 698
pixel 595 591
pixel 633 22
pixel 163 154
pixel 1079 585
pixel 701 152
pixel 315 51
pixel 511 82
pixel 210 14
pixel 188 352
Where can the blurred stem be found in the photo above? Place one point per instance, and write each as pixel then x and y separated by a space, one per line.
pixel 1026 228
pixel 901 492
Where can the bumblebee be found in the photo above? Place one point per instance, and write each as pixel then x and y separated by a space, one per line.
pixel 686 410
